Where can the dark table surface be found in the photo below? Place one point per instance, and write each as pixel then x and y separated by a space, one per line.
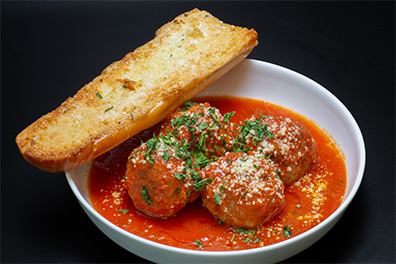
pixel 51 49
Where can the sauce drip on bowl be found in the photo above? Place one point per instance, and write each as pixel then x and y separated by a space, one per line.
pixel 308 202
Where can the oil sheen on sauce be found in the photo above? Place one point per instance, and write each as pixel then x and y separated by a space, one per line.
pixel 308 202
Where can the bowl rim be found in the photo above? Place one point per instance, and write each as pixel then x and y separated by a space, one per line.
pixel 337 213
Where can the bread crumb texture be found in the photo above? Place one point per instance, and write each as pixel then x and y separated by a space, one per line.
pixel 135 92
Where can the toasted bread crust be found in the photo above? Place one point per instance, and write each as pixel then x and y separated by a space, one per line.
pixel 187 55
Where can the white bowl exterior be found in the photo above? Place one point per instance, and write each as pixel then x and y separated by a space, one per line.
pixel 264 81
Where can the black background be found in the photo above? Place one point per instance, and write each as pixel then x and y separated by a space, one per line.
pixel 49 50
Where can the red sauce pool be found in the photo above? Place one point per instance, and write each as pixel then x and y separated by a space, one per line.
pixel 308 202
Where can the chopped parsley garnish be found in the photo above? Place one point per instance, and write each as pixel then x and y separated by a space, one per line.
pixel 200 157
pixel 151 146
pixel 200 184
pixel 247 240
pixel 203 125
pixel 228 116
pixel 202 140
pixel 123 210
pixel 222 186
pixel 99 95
pixel 217 198
pixel 243 194
pixel 166 156
pixel 145 196
pixel 287 231
pixel 211 112
pixel 199 243
pixel 179 121
pixel 108 109
pixel 187 105
pixel 195 175
pixel 180 176
pixel 245 231
pixel 69 109
pixel 260 132
pixel 167 139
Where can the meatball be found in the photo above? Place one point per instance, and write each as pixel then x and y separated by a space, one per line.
pixel 202 127
pixel 159 179
pixel 244 191
pixel 286 143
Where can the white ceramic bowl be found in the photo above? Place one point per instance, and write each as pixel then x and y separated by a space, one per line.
pixel 265 81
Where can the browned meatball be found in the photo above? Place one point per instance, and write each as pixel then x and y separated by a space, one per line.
pixel 163 174
pixel 286 143
pixel 244 191
pixel 158 180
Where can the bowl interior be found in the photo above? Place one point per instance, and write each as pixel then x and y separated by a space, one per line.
pixel 265 81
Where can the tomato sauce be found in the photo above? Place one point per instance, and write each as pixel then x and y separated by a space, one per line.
pixel 308 202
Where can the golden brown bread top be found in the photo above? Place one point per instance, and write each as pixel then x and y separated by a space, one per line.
pixel 132 94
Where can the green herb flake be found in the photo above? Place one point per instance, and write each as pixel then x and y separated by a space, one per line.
pixel 228 116
pixel 166 156
pixel 200 157
pixel 151 146
pixel 69 109
pixel 287 231
pixel 187 105
pixel 243 194
pixel 217 198
pixel 99 95
pixel 212 114
pixel 203 125
pixel 222 186
pixel 247 240
pixel 245 231
pixel 108 109
pixel 180 176
pixel 123 210
pixel 200 184
pixel 199 243
pixel 202 140
pixel 145 196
